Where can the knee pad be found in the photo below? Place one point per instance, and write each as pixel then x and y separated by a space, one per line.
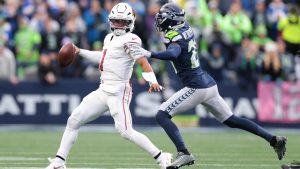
pixel 161 115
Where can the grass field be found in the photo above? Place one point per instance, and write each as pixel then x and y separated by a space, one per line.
pixel 213 150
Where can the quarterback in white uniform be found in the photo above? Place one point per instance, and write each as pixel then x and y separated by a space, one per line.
pixel 114 93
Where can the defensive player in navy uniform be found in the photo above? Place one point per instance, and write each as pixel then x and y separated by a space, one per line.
pixel 199 87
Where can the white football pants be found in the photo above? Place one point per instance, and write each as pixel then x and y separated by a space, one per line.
pixel 94 105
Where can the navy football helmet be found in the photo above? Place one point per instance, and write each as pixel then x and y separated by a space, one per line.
pixel 170 17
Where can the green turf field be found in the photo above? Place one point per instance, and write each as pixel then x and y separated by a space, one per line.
pixel 215 150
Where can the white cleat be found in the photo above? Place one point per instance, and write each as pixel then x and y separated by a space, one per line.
pixel 53 166
pixel 164 160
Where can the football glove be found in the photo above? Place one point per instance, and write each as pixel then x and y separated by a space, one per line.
pixel 135 50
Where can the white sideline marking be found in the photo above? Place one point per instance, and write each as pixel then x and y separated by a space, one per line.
pixel 68 168
pixel 19 159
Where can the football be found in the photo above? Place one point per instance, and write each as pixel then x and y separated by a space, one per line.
pixel 66 54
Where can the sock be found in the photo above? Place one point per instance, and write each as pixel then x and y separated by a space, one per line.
pixel 67 141
pixel 164 120
pixel 273 141
pixel 245 124
pixel 157 155
pixel 185 151
pixel 59 161
pixel 143 142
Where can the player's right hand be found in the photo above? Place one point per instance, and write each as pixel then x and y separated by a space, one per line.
pixel 77 50
pixel 155 87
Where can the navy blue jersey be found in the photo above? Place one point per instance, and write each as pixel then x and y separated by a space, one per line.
pixel 187 64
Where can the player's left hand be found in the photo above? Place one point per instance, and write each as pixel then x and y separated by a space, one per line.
pixel 136 50
pixel 155 87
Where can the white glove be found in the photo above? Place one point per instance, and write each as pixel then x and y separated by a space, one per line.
pixel 136 51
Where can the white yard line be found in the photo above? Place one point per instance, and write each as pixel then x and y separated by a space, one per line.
pixel 19 159
pixel 41 168
pixel 68 168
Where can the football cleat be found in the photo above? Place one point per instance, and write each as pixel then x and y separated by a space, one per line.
pixel 279 147
pixel 294 165
pixel 53 166
pixel 182 160
pixel 164 160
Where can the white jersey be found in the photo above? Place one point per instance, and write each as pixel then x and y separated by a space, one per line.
pixel 115 63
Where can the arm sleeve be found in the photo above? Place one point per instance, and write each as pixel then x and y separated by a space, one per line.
pixel 93 56
pixel 172 52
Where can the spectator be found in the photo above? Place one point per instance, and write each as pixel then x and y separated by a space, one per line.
pixel 193 18
pixel 72 34
pixel 7 65
pixel 214 64
pixel 287 61
pixel 58 10
pixel 249 6
pixel 5 29
pixel 153 42
pixel 38 19
pixel 271 67
pixel 27 46
pixel 259 16
pixel 213 28
pixel 225 6
pixel 237 25
pixel 10 11
pixel 139 7
pixel 74 12
pixel 290 27
pixel 276 10
pixel 47 71
pixel 248 65
pixel 96 22
pixel 51 37
pixel 260 37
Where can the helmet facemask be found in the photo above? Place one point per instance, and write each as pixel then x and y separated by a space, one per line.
pixel 170 17
pixel 120 26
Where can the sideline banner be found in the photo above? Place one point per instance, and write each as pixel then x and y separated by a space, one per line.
pixel 279 103
pixel 36 103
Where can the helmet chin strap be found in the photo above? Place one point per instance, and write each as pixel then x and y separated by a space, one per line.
pixel 119 32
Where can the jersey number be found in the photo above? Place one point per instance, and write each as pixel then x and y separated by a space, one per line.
pixel 194 58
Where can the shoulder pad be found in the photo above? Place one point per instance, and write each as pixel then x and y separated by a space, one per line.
pixel 173 36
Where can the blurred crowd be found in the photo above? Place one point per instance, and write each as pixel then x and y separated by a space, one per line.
pixel 239 41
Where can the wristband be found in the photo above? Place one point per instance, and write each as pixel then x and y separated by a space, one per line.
pixel 149 77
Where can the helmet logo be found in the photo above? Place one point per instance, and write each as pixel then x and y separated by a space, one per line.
pixel 120 10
